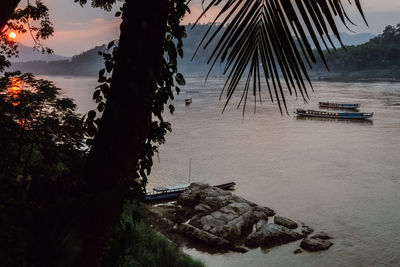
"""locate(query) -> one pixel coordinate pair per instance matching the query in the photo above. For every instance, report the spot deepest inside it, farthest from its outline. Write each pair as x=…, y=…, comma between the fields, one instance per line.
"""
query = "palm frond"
x=273, y=34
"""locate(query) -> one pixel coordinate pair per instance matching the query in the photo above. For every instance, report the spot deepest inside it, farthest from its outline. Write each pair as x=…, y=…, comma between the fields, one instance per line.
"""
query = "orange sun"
x=12, y=35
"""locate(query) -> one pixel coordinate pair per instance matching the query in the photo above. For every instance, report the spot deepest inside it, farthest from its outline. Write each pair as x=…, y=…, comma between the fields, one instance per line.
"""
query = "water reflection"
x=14, y=90
x=364, y=122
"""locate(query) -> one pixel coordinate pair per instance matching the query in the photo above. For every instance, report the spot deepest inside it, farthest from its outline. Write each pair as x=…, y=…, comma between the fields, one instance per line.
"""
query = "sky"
x=78, y=29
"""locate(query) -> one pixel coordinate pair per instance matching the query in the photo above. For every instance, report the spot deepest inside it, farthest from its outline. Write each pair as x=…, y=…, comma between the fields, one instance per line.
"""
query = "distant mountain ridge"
x=27, y=53
x=89, y=62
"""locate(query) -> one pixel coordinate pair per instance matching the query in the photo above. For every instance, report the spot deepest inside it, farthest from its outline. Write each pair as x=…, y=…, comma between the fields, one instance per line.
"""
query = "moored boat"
x=188, y=100
x=172, y=192
x=338, y=105
x=336, y=115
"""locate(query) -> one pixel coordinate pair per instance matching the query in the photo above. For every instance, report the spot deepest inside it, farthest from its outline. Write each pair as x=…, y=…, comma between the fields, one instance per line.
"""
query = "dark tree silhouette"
x=6, y=11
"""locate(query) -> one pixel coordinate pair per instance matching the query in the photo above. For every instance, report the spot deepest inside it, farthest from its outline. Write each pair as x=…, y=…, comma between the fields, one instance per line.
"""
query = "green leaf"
x=101, y=107
x=89, y=141
x=110, y=44
x=101, y=73
x=102, y=79
x=96, y=94
x=171, y=109
x=91, y=115
x=109, y=66
x=179, y=79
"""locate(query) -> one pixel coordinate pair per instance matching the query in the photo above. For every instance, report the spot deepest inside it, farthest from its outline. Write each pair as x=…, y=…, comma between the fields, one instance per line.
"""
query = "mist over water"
x=341, y=177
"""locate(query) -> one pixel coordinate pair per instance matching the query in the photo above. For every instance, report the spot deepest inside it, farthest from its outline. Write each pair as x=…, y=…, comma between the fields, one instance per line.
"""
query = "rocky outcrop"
x=231, y=218
x=220, y=213
x=288, y=223
x=225, y=221
x=315, y=244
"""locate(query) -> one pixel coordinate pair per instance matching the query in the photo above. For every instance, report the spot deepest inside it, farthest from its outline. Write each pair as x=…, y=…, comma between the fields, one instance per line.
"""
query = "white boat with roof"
x=338, y=105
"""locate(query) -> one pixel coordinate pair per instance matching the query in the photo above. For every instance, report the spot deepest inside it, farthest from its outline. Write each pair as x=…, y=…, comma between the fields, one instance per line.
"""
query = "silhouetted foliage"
x=133, y=243
x=41, y=163
x=168, y=83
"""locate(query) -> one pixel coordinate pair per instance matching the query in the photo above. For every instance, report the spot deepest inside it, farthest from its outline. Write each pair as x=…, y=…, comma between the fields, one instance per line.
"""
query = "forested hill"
x=27, y=53
x=377, y=59
x=89, y=62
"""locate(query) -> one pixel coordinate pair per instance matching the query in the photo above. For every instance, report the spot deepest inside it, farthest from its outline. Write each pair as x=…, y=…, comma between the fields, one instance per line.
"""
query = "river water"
x=341, y=177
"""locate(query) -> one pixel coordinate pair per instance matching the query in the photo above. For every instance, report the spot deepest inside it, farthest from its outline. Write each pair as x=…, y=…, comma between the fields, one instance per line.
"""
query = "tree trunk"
x=6, y=10
x=127, y=116
x=125, y=123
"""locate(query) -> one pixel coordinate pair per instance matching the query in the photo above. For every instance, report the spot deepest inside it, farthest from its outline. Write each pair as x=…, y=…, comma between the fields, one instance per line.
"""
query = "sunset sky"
x=78, y=29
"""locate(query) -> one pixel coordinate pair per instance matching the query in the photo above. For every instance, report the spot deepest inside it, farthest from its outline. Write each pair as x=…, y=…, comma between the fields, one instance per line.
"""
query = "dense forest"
x=89, y=62
x=379, y=58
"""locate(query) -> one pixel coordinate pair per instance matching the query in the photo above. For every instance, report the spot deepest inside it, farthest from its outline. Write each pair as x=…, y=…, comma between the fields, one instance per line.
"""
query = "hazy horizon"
x=81, y=28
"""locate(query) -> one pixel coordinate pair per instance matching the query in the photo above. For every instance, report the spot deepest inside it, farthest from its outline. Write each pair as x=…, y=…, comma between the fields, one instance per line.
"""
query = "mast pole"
x=190, y=168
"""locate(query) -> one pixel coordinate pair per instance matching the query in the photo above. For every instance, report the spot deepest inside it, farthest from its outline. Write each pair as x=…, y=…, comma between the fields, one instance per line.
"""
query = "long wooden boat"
x=338, y=105
x=336, y=115
x=172, y=192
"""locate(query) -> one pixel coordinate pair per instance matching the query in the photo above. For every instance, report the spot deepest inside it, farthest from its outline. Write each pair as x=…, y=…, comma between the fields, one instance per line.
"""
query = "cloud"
x=80, y=36
x=78, y=29
x=196, y=9
x=85, y=36
x=381, y=5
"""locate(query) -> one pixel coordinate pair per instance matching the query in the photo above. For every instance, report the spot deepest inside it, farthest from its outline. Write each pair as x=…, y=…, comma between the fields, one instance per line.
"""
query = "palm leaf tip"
x=273, y=34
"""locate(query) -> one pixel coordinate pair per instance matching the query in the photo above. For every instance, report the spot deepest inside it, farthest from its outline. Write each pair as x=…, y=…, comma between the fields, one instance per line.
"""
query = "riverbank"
x=135, y=243
x=371, y=75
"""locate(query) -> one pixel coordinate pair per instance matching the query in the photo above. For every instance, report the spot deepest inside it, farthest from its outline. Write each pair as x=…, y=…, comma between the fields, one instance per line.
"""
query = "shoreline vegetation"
x=136, y=243
x=376, y=60
x=357, y=76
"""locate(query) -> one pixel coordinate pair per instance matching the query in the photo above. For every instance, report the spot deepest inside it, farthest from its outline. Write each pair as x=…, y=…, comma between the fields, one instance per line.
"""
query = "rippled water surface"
x=337, y=176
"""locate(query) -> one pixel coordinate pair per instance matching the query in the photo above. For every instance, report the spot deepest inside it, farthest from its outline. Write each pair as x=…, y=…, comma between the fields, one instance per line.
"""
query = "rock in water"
x=322, y=235
x=288, y=223
x=307, y=230
x=239, y=249
x=297, y=251
x=315, y=244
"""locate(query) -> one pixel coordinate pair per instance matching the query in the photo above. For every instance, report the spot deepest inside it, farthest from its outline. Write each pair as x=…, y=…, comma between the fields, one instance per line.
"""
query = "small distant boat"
x=338, y=105
x=188, y=100
x=172, y=192
x=336, y=115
